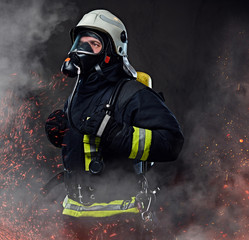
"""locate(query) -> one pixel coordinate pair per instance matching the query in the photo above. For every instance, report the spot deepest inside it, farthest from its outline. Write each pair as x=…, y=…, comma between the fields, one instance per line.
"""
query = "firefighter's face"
x=95, y=44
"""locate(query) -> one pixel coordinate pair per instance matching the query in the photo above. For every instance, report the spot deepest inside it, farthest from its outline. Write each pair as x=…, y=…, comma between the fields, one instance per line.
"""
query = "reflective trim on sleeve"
x=135, y=143
x=75, y=209
x=148, y=138
x=91, y=144
x=141, y=143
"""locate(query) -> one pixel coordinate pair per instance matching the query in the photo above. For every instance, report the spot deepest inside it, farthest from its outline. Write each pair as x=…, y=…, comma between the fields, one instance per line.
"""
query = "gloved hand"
x=101, y=125
x=91, y=125
x=55, y=127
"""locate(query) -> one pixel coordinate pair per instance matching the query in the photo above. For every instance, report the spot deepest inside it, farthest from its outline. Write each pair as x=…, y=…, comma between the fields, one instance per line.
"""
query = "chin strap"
x=128, y=68
x=105, y=60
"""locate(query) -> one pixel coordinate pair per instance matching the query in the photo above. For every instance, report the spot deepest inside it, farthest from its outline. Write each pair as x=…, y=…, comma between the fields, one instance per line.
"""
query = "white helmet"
x=104, y=21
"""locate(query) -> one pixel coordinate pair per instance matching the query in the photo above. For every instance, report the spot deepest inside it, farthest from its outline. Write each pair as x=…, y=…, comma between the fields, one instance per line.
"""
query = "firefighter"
x=104, y=147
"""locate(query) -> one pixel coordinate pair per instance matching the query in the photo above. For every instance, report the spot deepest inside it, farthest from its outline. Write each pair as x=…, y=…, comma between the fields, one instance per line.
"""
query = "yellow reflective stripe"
x=91, y=145
x=135, y=143
x=141, y=143
x=87, y=151
x=115, y=202
x=98, y=214
x=71, y=201
x=97, y=142
x=148, y=138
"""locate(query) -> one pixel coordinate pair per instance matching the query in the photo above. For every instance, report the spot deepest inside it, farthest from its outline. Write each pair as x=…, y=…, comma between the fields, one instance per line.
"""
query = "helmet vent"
x=120, y=49
x=123, y=37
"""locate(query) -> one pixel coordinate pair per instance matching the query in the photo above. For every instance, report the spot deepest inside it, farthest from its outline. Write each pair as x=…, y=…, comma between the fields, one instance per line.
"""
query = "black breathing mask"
x=86, y=52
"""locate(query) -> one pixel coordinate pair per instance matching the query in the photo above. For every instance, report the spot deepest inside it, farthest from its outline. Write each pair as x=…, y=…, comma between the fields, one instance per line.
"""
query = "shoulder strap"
x=126, y=91
x=122, y=93
x=129, y=88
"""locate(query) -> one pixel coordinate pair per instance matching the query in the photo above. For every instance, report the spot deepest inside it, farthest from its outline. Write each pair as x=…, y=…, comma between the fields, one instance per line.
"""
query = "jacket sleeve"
x=150, y=131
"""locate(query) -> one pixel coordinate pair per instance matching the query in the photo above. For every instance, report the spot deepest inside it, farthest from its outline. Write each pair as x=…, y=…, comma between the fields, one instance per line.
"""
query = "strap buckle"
x=145, y=200
x=144, y=204
x=125, y=204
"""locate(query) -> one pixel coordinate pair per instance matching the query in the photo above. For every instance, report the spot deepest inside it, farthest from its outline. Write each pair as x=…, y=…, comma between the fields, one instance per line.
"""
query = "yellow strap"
x=91, y=145
x=87, y=151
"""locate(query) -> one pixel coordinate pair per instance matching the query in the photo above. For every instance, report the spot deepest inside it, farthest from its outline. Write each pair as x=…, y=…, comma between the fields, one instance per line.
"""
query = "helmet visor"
x=88, y=43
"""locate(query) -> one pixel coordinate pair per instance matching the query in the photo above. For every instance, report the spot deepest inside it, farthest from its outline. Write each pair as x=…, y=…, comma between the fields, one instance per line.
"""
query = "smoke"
x=25, y=28
x=211, y=201
x=205, y=194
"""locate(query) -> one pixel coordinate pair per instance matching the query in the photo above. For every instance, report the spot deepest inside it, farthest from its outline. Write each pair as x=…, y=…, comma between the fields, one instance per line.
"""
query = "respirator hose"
x=68, y=111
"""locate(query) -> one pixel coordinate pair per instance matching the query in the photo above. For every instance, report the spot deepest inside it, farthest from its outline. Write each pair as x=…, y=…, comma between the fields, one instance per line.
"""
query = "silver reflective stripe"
x=103, y=125
x=117, y=24
x=93, y=147
x=141, y=144
x=97, y=207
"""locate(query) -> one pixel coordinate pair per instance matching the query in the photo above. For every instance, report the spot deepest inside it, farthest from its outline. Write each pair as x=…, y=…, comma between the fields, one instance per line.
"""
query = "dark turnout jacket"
x=147, y=132
x=150, y=133
x=145, y=110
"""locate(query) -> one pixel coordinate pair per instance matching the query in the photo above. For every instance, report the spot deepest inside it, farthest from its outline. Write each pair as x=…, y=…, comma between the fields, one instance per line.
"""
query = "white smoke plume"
x=25, y=27
x=213, y=199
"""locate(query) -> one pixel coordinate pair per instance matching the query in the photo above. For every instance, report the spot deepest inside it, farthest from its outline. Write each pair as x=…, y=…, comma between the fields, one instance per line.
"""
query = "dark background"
x=196, y=53
x=177, y=43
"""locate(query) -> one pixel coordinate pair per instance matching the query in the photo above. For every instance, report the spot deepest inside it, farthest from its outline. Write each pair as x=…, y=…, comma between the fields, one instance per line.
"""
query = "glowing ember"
x=25, y=166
